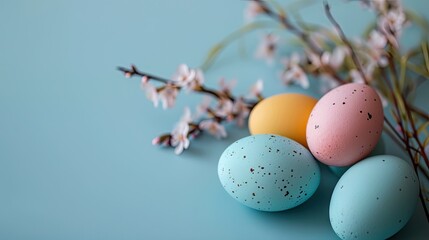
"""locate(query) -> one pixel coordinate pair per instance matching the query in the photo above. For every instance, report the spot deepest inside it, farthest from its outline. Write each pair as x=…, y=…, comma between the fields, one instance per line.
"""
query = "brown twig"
x=398, y=141
x=407, y=139
x=346, y=41
x=389, y=124
x=291, y=27
x=418, y=111
x=416, y=135
x=133, y=71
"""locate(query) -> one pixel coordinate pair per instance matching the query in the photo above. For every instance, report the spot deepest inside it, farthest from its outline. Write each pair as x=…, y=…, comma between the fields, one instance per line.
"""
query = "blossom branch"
x=301, y=34
x=229, y=108
x=187, y=129
x=288, y=25
x=133, y=71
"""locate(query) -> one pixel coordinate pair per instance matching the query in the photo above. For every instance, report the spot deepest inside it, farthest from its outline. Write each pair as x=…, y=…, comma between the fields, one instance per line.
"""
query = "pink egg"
x=345, y=125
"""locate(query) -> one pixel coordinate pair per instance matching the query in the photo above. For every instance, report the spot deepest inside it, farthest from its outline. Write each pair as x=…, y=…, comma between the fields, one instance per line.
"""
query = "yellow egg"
x=284, y=114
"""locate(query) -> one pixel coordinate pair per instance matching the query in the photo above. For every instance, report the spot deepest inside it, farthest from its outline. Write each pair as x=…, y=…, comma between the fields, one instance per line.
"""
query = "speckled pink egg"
x=345, y=125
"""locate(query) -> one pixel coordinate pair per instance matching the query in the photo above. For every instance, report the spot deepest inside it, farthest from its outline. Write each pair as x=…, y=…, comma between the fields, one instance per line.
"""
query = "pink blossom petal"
x=156, y=141
x=252, y=10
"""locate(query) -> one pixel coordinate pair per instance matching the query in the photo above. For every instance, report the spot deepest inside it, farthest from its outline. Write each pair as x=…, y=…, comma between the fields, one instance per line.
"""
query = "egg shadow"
x=312, y=215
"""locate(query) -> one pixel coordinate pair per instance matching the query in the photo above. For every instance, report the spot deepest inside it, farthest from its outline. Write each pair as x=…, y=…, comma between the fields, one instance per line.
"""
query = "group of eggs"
x=276, y=169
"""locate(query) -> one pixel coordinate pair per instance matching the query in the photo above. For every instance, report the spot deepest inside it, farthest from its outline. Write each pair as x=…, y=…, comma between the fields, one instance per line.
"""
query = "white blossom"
x=199, y=79
x=241, y=111
x=225, y=109
x=267, y=48
x=256, y=89
x=145, y=79
x=391, y=25
x=151, y=93
x=213, y=127
x=356, y=76
x=179, y=137
x=183, y=75
x=293, y=60
x=376, y=44
x=252, y=10
x=188, y=78
x=368, y=71
x=167, y=95
x=377, y=40
x=336, y=58
x=295, y=75
x=314, y=61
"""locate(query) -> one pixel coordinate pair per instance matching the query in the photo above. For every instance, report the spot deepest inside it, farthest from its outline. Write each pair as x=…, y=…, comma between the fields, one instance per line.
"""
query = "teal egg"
x=268, y=172
x=378, y=150
x=374, y=199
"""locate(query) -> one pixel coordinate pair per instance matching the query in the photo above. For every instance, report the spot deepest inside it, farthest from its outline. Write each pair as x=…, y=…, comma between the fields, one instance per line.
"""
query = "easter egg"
x=378, y=150
x=345, y=125
x=374, y=199
x=268, y=172
x=284, y=114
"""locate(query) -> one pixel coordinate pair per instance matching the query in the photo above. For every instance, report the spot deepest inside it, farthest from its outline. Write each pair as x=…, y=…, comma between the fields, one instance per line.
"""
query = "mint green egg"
x=268, y=172
x=378, y=150
x=374, y=199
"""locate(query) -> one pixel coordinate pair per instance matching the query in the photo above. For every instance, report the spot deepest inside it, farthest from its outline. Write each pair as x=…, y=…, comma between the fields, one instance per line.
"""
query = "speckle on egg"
x=343, y=125
x=255, y=180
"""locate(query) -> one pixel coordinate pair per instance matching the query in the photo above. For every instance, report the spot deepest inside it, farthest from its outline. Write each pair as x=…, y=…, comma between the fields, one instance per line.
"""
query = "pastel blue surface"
x=76, y=160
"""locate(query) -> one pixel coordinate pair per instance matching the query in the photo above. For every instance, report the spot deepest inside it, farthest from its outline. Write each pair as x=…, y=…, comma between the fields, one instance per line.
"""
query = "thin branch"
x=288, y=25
x=422, y=198
x=416, y=135
x=346, y=41
x=133, y=71
x=402, y=145
x=418, y=111
x=397, y=134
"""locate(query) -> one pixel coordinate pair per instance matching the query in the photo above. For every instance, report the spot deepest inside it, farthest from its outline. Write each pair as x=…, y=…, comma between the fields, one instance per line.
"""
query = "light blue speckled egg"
x=268, y=172
x=378, y=150
x=374, y=199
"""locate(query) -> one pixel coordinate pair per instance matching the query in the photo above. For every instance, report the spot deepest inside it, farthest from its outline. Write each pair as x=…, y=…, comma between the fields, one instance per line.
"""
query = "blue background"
x=76, y=160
